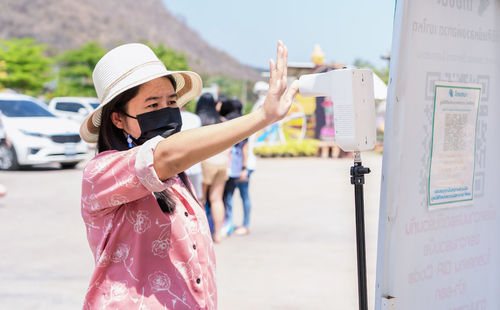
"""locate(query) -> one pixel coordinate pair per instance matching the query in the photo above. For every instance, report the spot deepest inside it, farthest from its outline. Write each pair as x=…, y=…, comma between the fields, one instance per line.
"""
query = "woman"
x=239, y=176
x=147, y=231
x=214, y=168
x=229, y=110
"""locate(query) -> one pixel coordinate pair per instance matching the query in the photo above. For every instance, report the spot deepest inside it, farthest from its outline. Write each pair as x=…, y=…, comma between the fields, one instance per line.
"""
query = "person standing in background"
x=249, y=165
x=190, y=121
x=241, y=156
x=230, y=110
x=214, y=169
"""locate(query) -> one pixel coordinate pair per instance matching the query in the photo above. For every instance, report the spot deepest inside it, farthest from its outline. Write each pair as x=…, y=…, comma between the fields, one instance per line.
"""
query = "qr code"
x=454, y=132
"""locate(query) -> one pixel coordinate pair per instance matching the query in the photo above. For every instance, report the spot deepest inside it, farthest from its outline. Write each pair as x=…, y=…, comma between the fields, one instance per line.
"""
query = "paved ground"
x=300, y=254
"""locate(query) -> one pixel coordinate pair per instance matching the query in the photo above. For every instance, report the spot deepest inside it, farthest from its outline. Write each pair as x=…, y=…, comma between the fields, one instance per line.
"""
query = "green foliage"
x=293, y=148
x=241, y=89
x=76, y=67
x=173, y=60
x=227, y=86
x=75, y=70
x=247, y=107
x=383, y=73
x=190, y=106
x=24, y=66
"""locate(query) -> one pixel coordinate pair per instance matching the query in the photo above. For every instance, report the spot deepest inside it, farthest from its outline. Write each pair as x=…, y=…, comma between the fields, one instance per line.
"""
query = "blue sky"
x=248, y=30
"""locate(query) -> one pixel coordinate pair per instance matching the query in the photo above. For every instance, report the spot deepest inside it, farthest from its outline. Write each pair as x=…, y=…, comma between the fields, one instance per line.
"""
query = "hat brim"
x=189, y=86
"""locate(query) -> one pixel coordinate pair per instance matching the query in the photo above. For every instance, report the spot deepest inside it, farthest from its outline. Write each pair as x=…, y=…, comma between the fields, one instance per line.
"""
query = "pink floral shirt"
x=144, y=258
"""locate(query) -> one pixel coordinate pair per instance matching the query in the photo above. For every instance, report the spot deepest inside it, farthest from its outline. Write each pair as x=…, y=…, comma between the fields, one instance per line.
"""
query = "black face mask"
x=164, y=122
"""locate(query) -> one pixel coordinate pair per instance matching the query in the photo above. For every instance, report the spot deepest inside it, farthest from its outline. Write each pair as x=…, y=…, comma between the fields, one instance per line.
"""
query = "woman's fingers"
x=285, y=69
x=284, y=80
x=279, y=98
x=291, y=91
x=272, y=72
x=279, y=60
x=278, y=70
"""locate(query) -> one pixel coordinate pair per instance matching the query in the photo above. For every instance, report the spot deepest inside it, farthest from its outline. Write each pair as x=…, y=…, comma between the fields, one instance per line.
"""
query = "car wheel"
x=69, y=165
x=8, y=158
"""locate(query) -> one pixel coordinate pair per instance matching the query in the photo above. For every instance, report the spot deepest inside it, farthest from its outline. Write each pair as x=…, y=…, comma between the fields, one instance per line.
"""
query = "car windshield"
x=94, y=105
x=23, y=108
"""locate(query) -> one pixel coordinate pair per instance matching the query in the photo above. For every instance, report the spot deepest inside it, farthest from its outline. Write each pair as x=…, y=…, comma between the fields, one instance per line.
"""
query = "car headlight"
x=33, y=134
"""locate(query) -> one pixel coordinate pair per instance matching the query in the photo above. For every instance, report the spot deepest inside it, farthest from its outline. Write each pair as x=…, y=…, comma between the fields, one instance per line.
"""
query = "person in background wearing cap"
x=147, y=231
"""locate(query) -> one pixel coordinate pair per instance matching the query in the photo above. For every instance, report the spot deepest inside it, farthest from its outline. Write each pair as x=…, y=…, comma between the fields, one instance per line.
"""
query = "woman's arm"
x=182, y=150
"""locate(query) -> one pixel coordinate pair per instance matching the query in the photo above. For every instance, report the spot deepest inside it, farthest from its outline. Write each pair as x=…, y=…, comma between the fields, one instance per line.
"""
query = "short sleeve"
x=144, y=166
x=115, y=178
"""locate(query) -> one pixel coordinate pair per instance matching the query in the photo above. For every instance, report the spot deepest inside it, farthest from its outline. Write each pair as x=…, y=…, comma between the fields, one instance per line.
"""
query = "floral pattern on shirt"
x=144, y=258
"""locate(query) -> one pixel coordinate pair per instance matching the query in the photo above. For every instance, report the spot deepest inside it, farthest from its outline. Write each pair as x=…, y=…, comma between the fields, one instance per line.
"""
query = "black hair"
x=238, y=106
x=113, y=138
x=110, y=136
x=232, y=109
x=205, y=108
x=226, y=106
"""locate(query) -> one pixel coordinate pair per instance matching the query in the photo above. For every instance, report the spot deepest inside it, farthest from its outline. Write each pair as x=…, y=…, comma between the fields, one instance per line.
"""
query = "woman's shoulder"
x=101, y=156
x=105, y=153
x=108, y=159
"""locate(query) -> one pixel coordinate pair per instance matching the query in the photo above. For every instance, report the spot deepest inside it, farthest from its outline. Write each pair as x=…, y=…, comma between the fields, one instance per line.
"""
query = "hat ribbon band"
x=126, y=74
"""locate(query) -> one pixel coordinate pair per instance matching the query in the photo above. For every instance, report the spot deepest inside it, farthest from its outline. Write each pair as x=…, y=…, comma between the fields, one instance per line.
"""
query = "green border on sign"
x=432, y=145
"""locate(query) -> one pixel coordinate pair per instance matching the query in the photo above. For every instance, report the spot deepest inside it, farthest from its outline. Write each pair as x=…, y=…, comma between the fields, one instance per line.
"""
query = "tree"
x=173, y=60
x=24, y=66
x=383, y=73
x=75, y=70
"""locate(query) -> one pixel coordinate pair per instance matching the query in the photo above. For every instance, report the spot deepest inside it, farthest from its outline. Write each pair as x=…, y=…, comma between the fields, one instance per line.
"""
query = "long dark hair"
x=205, y=108
x=113, y=138
x=231, y=108
x=110, y=136
x=226, y=107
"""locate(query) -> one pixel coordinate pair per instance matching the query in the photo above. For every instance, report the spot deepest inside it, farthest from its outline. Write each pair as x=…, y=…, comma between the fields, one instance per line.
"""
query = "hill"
x=66, y=24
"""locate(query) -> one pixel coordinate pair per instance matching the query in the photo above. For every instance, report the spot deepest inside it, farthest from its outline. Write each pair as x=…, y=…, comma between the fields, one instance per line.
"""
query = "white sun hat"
x=127, y=66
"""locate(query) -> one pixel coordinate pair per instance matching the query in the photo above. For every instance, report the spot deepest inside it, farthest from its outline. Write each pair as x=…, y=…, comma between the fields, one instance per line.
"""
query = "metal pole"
x=358, y=179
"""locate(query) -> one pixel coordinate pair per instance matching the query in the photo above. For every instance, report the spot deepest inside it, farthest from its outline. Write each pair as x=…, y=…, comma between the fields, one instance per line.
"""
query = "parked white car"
x=33, y=135
x=74, y=108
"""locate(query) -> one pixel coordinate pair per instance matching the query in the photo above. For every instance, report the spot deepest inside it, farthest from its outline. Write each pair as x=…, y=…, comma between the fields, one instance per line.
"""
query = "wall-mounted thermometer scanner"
x=351, y=91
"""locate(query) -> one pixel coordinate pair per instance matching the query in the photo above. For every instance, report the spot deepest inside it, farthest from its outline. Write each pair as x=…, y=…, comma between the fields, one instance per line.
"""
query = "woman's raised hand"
x=279, y=98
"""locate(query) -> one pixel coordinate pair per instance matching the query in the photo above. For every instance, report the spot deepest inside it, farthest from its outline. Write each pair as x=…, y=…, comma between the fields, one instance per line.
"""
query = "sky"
x=248, y=30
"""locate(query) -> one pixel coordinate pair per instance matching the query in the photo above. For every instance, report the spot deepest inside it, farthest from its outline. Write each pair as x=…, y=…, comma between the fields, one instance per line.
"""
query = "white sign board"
x=439, y=229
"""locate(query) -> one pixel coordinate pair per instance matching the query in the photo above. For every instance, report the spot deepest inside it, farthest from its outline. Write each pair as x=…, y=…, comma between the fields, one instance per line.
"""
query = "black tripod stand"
x=358, y=179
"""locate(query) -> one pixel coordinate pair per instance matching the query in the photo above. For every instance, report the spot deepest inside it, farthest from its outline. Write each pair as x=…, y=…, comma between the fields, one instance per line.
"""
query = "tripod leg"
x=360, y=246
